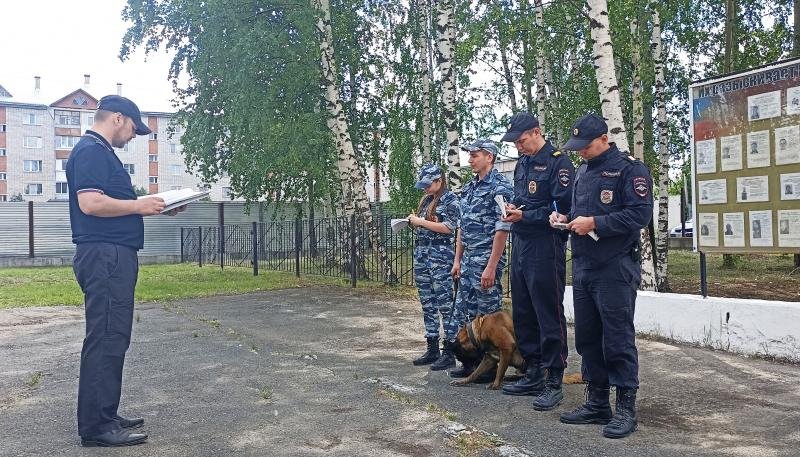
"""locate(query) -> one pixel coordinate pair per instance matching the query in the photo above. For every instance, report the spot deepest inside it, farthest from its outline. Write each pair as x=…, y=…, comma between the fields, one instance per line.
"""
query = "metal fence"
x=335, y=247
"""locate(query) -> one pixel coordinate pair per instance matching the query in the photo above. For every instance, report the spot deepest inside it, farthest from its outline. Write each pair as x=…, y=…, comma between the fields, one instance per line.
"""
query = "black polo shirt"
x=94, y=167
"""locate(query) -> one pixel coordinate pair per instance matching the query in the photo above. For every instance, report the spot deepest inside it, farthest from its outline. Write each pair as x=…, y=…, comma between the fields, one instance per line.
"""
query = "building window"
x=176, y=170
x=32, y=142
x=2, y=152
x=2, y=176
x=175, y=188
x=152, y=158
x=2, y=128
x=67, y=117
x=31, y=119
x=61, y=188
x=90, y=119
x=226, y=193
x=125, y=148
x=61, y=164
x=33, y=189
x=130, y=168
x=154, y=136
x=173, y=148
x=3, y=198
x=154, y=180
x=32, y=166
x=66, y=142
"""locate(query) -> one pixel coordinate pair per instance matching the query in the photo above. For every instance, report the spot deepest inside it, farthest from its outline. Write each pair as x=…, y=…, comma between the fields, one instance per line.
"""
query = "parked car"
x=676, y=231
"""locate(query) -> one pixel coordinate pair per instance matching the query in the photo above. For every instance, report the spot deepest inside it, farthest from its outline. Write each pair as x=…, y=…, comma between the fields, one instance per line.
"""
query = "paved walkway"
x=326, y=372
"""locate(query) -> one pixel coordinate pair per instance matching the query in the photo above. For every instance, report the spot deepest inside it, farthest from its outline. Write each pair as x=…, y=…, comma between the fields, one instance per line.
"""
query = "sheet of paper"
x=733, y=229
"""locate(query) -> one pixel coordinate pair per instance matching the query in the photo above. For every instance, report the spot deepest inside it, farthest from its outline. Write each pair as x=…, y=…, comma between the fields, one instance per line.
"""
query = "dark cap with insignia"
x=119, y=104
x=585, y=130
x=519, y=124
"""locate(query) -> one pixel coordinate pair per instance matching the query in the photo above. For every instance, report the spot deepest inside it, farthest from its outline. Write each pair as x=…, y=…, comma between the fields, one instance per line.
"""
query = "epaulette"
x=632, y=158
x=556, y=153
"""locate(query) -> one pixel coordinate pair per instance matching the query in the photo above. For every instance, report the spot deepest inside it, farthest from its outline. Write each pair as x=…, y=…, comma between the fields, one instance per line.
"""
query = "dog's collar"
x=471, y=334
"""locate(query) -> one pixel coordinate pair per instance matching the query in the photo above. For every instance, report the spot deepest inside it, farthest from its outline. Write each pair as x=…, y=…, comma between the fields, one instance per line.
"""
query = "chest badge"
x=532, y=187
x=606, y=196
x=563, y=177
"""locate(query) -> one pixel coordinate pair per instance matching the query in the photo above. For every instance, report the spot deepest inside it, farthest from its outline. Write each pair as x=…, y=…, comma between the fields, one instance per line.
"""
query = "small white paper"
x=790, y=186
x=789, y=228
x=752, y=189
x=733, y=229
x=709, y=229
x=501, y=203
x=398, y=224
x=761, y=228
x=706, y=152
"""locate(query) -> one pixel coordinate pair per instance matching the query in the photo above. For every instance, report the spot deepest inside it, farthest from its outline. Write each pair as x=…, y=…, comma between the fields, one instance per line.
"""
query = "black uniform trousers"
x=605, y=301
x=107, y=274
x=538, y=275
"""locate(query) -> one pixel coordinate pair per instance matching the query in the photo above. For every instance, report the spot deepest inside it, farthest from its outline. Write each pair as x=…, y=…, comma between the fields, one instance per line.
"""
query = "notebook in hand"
x=179, y=197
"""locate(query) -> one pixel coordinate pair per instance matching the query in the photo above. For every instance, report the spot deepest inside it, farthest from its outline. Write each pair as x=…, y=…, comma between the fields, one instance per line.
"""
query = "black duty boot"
x=624, y=421
x=552, y=395
x=430, y=355
x=530, y=384
x=596, y=410
x=446, y=360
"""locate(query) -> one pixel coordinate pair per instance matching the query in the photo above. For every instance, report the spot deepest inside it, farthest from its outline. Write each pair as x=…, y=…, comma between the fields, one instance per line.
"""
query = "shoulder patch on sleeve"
x=640, y=186
x=556, y=153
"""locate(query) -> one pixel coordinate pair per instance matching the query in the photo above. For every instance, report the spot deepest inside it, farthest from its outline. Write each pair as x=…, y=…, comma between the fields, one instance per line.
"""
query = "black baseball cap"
x=519, y=124
x=120, y=104
x=585, y=130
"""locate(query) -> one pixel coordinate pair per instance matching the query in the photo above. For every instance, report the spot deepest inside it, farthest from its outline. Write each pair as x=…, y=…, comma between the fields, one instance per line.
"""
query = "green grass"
x=48, y=286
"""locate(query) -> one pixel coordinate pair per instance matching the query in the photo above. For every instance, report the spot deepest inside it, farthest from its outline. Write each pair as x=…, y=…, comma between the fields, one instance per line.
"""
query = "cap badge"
x=575, y=132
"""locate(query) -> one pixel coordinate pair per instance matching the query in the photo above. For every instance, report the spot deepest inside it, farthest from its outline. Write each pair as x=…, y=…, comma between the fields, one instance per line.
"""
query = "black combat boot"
x=624, y=421
x=596, y=410
x=530, y=384
x=552, y=395
x=446, y=360
x=431, y=354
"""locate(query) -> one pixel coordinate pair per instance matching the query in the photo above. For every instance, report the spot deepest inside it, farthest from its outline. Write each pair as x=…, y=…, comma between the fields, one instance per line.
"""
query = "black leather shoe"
x=530, y=384
x=130, y=424
x=114, y=439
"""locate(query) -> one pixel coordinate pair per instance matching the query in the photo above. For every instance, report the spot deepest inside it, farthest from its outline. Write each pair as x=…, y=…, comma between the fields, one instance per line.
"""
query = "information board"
x=746, y=160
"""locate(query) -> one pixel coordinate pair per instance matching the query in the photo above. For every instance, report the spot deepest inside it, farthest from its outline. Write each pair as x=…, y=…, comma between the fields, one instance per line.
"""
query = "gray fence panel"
x=14, y=228
x=51, y=233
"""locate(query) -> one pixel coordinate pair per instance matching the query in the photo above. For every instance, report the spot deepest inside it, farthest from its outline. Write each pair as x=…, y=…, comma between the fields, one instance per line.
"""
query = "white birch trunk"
x=445, y=38
x=662, y=235
x=423, y=9
x=351, y=176
x=649, y=277
x=605, y=72
x=542, y=69
x=509, y=77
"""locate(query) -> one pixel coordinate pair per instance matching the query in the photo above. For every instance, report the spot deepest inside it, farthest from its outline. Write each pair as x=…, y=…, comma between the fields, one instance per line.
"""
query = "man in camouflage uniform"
x=435, y=221
x=480, y=249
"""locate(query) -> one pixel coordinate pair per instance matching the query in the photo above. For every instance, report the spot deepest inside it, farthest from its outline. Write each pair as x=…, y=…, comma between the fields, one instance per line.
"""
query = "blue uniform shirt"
x=540, y=180
x=617, y=191
x=447, y=212
x=94, y=167
x=480, y=215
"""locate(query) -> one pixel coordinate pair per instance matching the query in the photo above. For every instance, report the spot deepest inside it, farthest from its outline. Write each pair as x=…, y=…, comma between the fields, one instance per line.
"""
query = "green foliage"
x=140, y=191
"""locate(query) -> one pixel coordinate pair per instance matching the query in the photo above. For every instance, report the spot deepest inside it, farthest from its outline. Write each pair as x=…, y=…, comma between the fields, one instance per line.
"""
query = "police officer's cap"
x=519, y=124
x=427, y=175
x=119, y=104
x=482, y=144
x=585, y=130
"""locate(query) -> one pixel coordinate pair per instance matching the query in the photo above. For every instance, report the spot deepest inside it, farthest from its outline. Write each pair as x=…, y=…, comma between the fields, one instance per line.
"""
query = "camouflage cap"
x=427, y=174
x=482, y=144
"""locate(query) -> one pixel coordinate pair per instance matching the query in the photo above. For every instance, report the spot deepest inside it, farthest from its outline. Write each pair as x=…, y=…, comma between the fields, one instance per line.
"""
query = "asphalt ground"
x=327, y=372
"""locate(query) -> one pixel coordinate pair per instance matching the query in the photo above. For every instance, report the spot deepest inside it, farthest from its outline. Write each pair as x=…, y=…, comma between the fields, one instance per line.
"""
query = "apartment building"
x=36, y=140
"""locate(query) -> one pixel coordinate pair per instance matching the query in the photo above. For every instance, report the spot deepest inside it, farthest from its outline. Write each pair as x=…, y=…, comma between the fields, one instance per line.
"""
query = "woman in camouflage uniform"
x=435, y=221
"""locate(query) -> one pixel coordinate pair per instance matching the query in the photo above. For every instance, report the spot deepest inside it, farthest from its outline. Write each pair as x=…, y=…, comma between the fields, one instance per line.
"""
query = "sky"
x=63, y=40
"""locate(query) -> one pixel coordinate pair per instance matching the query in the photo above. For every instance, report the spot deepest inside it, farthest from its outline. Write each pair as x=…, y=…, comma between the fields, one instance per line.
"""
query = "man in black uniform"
x=107, y=227
x=612, y=202
x=542, y=181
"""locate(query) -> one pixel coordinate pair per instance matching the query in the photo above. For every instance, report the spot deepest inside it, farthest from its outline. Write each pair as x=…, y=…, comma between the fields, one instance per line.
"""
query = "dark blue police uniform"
x=616, y=190
x=106, y=267
x=538, y=257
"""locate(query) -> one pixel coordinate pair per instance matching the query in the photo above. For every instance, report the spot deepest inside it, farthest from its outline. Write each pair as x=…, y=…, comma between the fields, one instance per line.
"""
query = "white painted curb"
x=750, y=327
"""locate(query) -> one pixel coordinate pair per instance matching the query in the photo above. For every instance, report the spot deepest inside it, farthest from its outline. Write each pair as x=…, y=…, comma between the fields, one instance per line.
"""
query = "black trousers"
x=107, y=275
x=605, y=337
x=538, y=276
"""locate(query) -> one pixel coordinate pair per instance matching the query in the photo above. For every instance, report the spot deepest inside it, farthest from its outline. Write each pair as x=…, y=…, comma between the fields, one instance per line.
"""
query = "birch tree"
x=351, y=176
x=445, y=41
x=423, y=45
x=662, y=233
x=542, y=69
x=607, y=86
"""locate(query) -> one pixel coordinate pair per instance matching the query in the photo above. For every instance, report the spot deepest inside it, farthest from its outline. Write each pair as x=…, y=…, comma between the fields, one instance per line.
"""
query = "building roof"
x=11, y=104
x=4, y=92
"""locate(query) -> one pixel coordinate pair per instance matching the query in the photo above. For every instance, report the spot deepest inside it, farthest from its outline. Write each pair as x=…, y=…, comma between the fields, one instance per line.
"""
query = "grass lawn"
x=46, y=286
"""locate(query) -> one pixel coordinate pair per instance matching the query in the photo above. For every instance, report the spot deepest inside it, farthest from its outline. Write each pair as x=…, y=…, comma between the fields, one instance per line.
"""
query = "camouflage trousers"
x=472, y=299
x=432, y=265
